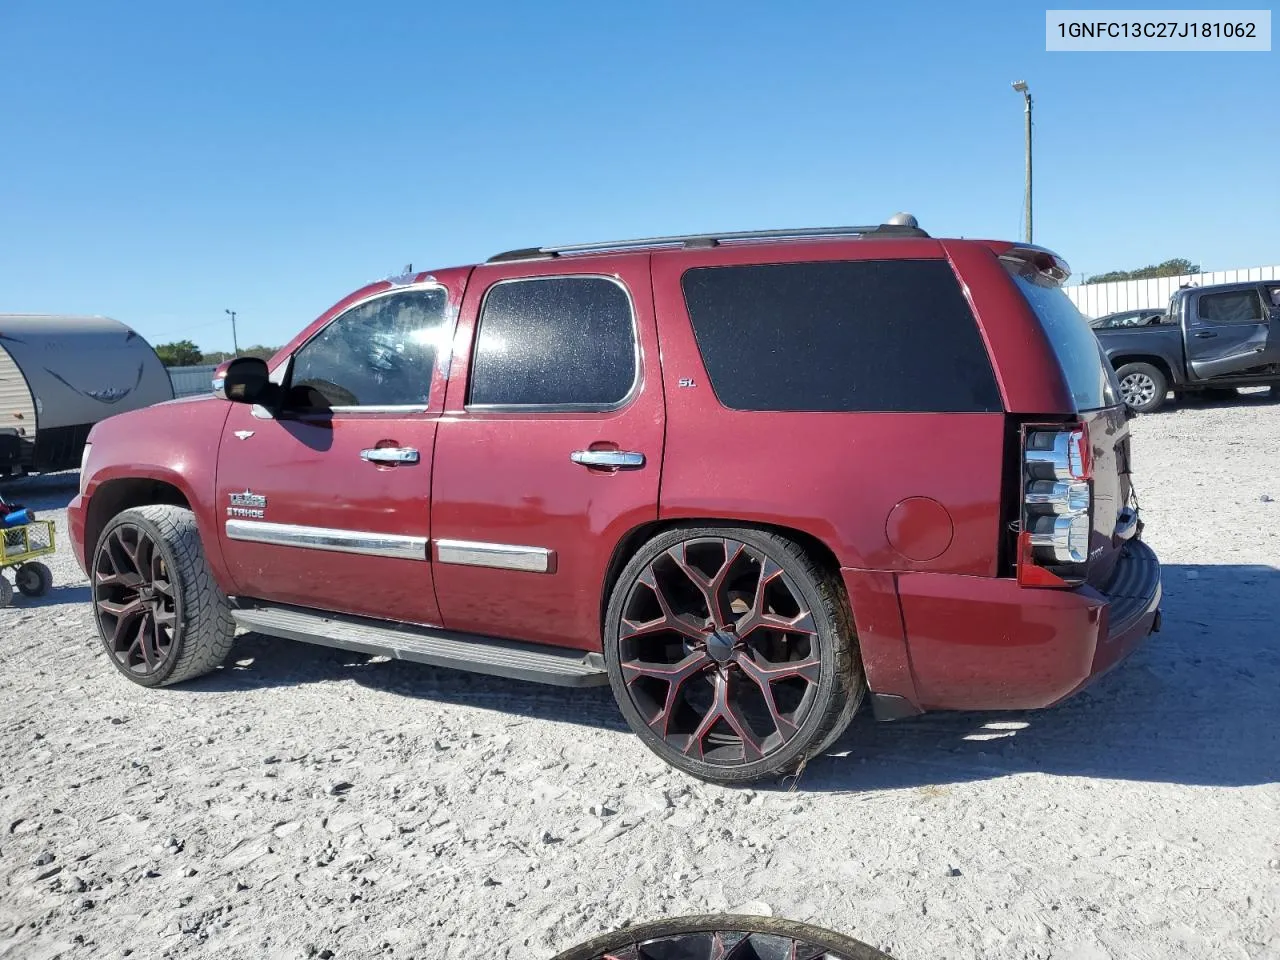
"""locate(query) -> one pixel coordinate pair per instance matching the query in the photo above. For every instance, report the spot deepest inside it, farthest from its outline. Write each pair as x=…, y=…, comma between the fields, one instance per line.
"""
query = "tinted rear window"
x=1080, y=356
x=554, y=341
x=868, y=335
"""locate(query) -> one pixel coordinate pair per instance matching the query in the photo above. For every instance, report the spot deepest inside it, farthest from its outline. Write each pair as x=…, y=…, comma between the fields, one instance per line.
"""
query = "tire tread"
x=207, y=628
x=847, y=694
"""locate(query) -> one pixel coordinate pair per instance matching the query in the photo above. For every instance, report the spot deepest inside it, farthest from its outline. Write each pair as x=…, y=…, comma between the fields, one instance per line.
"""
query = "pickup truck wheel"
x=161, y=617
x=1142, y=386
x=731, y=653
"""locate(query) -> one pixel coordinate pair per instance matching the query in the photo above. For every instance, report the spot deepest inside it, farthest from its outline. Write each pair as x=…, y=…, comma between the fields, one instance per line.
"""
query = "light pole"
x=1021, y=87
x=235, y=344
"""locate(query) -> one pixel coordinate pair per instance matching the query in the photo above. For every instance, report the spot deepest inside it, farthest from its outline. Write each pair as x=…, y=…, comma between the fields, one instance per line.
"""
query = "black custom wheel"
x=723, y=938
x=33, y=579
x=161, y=617
x=731, y=653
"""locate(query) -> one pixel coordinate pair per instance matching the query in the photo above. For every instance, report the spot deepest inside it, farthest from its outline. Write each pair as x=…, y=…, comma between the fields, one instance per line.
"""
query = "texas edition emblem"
x=249, y=505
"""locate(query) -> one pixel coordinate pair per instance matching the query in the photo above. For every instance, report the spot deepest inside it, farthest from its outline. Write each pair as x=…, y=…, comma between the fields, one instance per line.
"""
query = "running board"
x=439, y=648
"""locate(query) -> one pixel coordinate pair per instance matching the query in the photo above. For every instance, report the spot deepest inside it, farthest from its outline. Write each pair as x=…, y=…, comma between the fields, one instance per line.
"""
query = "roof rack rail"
x=900, y=225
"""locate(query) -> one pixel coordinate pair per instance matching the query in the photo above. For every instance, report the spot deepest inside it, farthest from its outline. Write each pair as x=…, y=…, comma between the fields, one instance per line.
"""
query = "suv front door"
x=550, y=447
x=1227, y=332
x=326, y=504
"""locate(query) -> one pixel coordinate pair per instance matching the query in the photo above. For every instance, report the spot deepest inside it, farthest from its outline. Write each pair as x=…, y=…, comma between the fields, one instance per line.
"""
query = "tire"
x=161, y=545
x=1143, y=386
x=748, y=700
x=6, y=593
x=695, y=938
x=33, y=579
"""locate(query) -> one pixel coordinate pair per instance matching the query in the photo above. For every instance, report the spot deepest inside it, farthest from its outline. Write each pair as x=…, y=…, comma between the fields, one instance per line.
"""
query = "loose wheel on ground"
x=160, y=615
x=731, y=652
x=33, y=579
x=1142, y=386
x=723, y=937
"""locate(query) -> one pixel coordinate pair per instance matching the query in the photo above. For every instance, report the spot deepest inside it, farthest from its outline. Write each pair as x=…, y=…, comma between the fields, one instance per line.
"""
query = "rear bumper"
x=989, y=644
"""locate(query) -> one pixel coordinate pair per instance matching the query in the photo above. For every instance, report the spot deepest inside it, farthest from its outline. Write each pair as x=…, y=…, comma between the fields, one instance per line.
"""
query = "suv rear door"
x=1096, y=402
x=1228, y=332
x=550, y=448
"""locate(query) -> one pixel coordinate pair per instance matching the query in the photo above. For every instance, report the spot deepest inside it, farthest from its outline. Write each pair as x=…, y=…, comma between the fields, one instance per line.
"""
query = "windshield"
x=1084, y=367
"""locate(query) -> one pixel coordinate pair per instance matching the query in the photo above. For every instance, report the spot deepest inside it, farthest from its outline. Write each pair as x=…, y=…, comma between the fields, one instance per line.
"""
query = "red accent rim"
x=134, y=600
x=721, y=945
x=719, y=651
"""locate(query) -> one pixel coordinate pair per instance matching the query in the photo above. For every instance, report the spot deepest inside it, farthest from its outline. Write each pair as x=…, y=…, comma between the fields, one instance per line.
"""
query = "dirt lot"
x=303, y=802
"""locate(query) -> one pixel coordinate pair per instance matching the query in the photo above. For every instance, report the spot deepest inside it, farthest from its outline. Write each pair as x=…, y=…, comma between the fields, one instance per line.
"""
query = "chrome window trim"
x=637, y=380
x=262, y=413
x=450, y=316
x=393, y=545
x=500, y=556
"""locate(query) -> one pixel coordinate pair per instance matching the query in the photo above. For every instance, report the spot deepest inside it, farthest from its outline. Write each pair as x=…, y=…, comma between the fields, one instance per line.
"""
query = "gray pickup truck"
x=1214, y=338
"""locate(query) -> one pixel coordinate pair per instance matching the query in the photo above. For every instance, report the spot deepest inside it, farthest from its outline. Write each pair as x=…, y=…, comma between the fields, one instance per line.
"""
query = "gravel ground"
x=304, y=802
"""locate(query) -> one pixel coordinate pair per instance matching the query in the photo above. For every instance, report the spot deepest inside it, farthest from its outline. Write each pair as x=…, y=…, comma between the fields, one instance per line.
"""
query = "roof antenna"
x=903, y=220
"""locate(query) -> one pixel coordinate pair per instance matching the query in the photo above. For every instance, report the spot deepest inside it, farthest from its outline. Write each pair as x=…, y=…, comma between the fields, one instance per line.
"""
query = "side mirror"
x=244, y=380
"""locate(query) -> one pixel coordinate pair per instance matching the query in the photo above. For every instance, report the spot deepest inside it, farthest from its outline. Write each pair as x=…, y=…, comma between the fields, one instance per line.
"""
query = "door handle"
x=390, y=455
x=1206, y=334
x=610, y=459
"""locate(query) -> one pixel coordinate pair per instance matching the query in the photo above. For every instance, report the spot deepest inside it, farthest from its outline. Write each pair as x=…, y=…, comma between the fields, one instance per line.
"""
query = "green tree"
x=1177, y=267
x=183, y=353
x=258, y=350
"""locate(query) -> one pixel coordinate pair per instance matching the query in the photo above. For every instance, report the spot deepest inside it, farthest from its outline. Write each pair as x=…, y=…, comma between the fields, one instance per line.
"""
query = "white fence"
x=1099, y=299
x=190, y=381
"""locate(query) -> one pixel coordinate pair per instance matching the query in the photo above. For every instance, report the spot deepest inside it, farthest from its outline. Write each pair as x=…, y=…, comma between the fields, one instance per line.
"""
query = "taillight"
x=1057, y=506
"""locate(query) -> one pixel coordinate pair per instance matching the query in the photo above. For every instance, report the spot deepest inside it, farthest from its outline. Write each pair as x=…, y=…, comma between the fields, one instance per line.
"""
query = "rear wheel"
x=6, y=593
x=731, y=653
x=161, y=617
x=1142, y=386
x=33, y=579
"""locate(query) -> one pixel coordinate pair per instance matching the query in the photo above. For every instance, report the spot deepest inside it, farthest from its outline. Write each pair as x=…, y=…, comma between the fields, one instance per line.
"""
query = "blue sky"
x=162, y=162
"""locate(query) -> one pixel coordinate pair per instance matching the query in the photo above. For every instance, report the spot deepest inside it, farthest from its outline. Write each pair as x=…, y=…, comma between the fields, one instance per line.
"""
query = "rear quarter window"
x=867, y=335
x=1084, y=366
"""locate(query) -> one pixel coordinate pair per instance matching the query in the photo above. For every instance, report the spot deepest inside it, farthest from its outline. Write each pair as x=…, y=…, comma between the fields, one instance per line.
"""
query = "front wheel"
x=1143, y=387
x=161, y=617
x=732, y=653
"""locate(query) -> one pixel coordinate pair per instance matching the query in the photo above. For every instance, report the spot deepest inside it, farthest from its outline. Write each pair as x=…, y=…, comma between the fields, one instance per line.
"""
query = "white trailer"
x=61, y=375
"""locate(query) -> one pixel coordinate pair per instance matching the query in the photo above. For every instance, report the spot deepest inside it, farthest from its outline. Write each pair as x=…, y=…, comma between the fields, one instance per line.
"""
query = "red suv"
x=746, y=479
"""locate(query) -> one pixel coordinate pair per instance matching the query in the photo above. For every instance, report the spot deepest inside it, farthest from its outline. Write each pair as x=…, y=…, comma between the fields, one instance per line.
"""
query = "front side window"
x=837, y=336
x=556, y=341
x=380, y=353
x=1236, y=306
